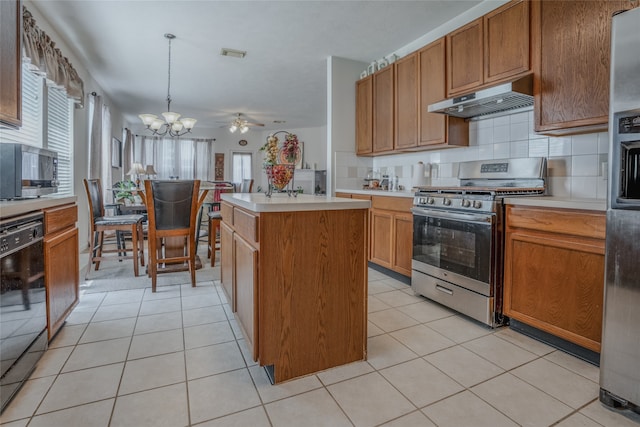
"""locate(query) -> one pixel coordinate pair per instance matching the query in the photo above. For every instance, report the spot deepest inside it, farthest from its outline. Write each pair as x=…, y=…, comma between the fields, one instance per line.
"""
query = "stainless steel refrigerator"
x=620, y=354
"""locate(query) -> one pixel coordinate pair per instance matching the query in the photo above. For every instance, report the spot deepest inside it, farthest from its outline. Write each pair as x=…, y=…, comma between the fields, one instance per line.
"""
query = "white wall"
x=341, y=115
x=227, y=143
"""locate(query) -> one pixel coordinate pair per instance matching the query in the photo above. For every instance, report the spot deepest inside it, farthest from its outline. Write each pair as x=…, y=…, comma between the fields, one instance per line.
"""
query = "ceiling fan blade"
x=254, y=124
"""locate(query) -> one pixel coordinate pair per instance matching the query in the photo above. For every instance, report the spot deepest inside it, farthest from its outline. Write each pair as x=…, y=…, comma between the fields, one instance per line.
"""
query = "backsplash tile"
x=574, y=162
x=584, y=144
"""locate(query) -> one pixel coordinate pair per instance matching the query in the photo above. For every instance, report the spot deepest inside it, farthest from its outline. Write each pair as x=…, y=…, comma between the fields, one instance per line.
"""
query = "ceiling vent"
x=233, y=53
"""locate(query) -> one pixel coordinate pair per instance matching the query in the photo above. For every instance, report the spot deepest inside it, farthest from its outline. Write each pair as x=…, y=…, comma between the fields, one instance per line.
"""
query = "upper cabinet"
x=464, y=58
x=383, y=110
x=490, y=49
x=436, y=130
x=507, y=41
x=10, y=61
x=406, y=102
x=364, y=116
x=571, y=64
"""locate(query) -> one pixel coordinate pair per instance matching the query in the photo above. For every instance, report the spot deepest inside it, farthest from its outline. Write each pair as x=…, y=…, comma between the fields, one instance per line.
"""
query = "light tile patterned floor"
x=176, y=358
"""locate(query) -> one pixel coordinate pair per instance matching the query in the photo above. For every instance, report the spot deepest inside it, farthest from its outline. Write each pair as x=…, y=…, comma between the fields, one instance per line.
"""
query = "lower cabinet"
x=392, y=233
x=226, y=263
x=246, y=290
x=554, y=272
x=61, y=263
x=297, y=282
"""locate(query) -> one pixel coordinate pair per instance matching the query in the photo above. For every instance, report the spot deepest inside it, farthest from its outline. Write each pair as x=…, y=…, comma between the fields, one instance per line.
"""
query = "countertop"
x=279, y=202
x=558, y=202
x=404, y=193
x=10, y=208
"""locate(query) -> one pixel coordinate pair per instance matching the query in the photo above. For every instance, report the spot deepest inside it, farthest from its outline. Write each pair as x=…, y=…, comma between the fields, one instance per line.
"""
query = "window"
x=47, y=125
x=175, y=157
x=241, y=166
x=31, y=131
x=59, y=113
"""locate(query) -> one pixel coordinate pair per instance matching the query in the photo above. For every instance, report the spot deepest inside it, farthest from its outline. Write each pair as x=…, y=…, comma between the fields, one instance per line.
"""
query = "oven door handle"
x=468, y=217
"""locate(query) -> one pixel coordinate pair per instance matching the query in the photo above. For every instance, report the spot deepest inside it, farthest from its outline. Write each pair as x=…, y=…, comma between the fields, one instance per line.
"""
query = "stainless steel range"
x=458, y=234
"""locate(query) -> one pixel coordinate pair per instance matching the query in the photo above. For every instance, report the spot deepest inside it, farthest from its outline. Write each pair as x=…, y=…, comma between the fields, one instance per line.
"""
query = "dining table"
x=175, y=246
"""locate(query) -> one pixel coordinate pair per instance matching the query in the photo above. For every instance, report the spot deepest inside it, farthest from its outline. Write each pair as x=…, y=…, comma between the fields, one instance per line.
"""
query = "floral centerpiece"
x=280, y=161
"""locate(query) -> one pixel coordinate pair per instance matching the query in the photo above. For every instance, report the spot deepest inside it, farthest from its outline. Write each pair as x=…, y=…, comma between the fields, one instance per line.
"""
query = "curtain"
x=176, y=158
x=100, y=145
x=95, y=139
x=46, y=59
x=128, y=151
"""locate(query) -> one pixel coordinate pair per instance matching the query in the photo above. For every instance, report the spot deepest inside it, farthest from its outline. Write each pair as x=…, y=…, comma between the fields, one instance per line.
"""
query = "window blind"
x=31, y=131
x=59, y=136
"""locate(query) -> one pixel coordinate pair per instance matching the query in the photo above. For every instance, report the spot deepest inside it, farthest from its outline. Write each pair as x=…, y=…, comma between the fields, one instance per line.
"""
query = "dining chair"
x=246, y=186
x=172, y=207
x=215, y=218
x=119, y=224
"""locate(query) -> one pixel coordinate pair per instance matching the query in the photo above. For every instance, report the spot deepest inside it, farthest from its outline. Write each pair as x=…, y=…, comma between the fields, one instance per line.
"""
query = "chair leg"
x=192, y=262
x=99, y=248
x=92, y=252
x=214, y=226
x=134, y=248
x=141, y=243
x=153, y=263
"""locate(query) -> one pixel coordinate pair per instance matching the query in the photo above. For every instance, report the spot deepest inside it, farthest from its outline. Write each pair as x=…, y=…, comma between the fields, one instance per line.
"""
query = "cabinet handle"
x=445, y=290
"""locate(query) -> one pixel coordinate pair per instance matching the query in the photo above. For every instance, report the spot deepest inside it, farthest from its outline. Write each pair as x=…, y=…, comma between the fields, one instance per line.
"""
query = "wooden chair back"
x=172, y=208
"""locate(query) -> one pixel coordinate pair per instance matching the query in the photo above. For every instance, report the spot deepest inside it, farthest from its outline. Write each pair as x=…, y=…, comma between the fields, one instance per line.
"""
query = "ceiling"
x=282, y=77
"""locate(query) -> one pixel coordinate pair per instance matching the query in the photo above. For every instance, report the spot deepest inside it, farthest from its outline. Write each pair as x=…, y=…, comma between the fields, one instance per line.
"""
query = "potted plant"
x=124, y=192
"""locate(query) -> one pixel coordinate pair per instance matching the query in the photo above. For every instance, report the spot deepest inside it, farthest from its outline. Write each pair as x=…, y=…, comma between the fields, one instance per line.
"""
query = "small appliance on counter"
x=27, y=171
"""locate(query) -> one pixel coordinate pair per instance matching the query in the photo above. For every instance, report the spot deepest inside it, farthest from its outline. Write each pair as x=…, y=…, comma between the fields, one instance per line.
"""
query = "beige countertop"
x=279, y=202
x=10, y=208
x=377, y=192
x=558, y=202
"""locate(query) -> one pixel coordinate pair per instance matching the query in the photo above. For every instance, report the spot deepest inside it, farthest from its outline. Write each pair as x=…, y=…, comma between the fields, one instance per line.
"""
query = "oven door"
x=454, y=246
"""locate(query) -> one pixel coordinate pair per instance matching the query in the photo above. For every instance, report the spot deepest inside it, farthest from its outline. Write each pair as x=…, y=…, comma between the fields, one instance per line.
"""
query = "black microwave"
x=27, y=171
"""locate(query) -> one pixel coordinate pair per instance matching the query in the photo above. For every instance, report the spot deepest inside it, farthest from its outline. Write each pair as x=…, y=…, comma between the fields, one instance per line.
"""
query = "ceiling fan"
x=241, y=124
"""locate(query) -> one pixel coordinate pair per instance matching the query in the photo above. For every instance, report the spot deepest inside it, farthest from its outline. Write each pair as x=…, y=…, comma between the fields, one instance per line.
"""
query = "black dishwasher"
x=23, y=311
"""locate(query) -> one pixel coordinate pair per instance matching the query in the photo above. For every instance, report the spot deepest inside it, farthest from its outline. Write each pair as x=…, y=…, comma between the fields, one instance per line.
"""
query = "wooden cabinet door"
x=554, y=272
x=246, y=291
x=381, y=235
x=406, y=102
x=10, y=63
x=506, y=41
x=465, y=58
x=62, y=277
x=432, y=89
x=403, y=243
x=571, y=64
x=226, y=263
x=383, y=110
x=364, y=116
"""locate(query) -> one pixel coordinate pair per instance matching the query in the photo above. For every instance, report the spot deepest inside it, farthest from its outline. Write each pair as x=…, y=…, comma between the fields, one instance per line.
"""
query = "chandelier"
x=172, y=124
x=237, y=123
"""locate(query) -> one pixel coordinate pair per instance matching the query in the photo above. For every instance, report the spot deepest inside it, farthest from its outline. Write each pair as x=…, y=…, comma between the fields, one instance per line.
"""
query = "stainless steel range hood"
x=498, y=99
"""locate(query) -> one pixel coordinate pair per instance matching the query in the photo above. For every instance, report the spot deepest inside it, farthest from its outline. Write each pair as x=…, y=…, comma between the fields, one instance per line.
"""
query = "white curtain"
x=176, y=158
x=100, y=145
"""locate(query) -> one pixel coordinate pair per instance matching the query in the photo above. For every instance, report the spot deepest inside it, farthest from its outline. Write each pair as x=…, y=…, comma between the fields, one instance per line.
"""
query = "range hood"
x=498, y=99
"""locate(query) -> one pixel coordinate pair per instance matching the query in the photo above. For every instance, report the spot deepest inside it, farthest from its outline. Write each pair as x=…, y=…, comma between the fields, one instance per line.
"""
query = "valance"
x=46, y=59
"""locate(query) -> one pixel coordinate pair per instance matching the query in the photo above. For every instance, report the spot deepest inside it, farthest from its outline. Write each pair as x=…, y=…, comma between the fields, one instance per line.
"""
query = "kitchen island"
x=294, y=270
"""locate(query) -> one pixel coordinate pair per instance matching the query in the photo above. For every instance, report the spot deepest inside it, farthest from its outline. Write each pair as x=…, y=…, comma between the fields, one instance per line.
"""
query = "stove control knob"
x=446, y=202
x=466, y=203
x=430, y=200
x=477, y=204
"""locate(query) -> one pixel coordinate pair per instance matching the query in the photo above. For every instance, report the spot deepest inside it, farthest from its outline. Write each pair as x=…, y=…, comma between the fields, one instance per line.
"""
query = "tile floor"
x=177, y=358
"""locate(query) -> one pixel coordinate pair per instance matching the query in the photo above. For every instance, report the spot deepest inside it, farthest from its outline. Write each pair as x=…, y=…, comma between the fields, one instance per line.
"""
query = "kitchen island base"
x=296, y=277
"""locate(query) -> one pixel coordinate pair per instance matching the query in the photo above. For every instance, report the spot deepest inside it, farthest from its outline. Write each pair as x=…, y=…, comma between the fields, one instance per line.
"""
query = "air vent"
x=233, y=53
